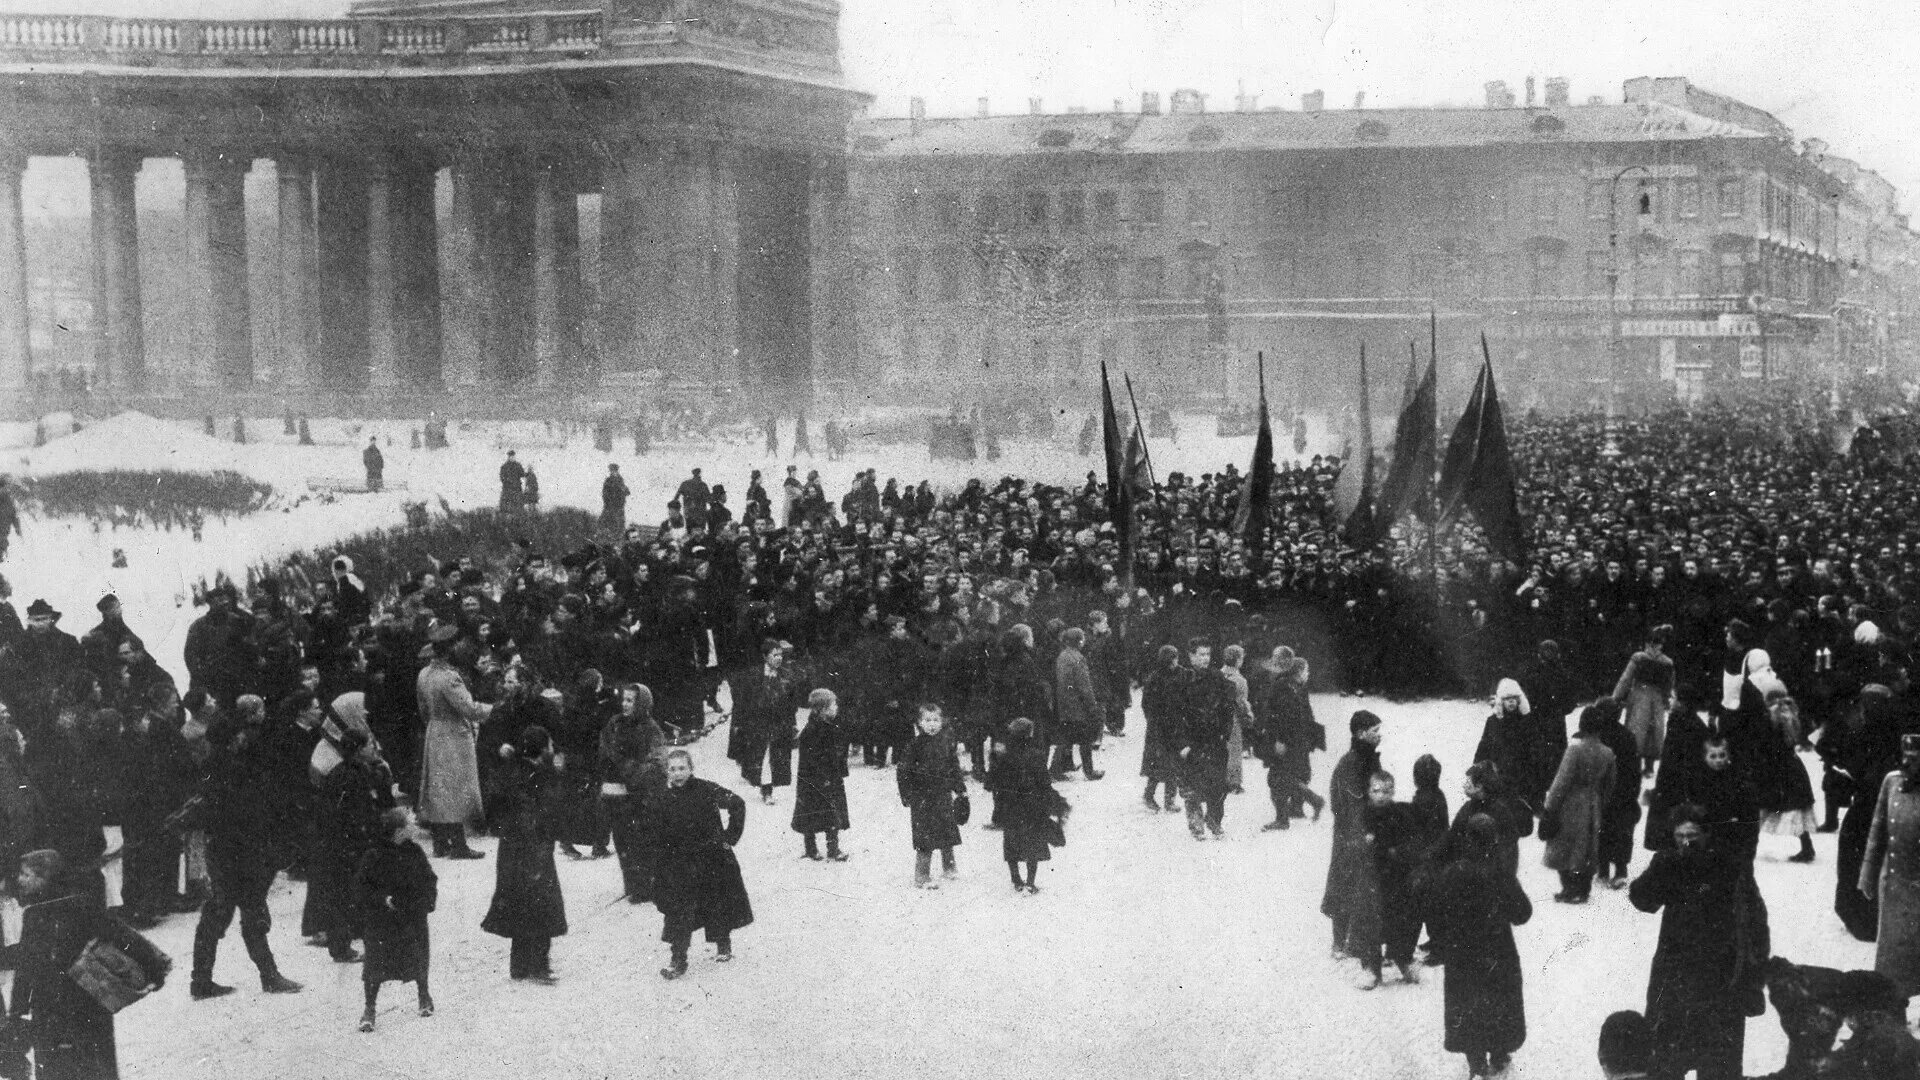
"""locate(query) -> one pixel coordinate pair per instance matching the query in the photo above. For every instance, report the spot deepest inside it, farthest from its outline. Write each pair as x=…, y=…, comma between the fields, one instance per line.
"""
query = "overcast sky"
x=1844, y=72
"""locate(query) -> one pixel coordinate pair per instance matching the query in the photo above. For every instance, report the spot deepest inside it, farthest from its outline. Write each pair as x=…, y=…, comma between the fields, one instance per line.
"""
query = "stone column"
x=298, y=354
x=461, y=317
x=621, y=195
x=715, y=252
x=383, y=300
x=217, y=269
x=556, y=277
x=830, y=232
x=121, y=355
x=416, y=271
x=340, y=232
x=15, y=346
x=509, y=253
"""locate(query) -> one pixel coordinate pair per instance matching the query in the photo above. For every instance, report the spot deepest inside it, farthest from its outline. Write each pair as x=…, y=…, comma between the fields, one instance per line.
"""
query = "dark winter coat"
x=395, y=889
x=526, y=885
x=351, y=801
x=698, y=883
x=1511, y=821
x=929, y=776
x=1030, y=810
x=1160, y=703
x=1579, y=796
x=1621, y=812
x=1471, y=908
x=1513, y=742
x=1208, y=710
x=1713, y=941
x=1732, y=809
x=1285, y=715
x=53, y=933
x=820, y=791
x=1075, y=700
x=1351, y=885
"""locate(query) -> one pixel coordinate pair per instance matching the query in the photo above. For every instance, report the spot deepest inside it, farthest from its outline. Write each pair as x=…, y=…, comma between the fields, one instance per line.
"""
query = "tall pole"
x=1613, y=286
x=1260, y=526
x=1433, y=484
x=1142, y=429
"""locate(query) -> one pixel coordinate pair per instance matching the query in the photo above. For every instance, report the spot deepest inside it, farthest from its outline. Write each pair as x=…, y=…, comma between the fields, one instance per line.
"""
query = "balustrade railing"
x=574, y=32
x=413, y=38
x=498, y=36
x=236, y=37
x=42, y=32
x=325, y=37
x=143, y=35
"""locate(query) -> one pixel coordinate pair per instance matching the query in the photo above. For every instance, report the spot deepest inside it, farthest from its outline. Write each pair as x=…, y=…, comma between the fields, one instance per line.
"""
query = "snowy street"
x=1145, y=954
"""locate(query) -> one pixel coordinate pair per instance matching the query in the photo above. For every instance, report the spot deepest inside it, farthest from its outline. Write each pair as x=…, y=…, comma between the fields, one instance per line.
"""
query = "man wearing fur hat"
x=221, y=656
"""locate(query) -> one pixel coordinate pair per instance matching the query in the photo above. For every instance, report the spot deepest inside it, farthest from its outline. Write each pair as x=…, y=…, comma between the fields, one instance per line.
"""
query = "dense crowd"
x=1711, y=594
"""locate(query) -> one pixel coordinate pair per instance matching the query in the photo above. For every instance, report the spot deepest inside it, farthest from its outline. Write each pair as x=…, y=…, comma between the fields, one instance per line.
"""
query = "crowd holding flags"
x=1475, y=477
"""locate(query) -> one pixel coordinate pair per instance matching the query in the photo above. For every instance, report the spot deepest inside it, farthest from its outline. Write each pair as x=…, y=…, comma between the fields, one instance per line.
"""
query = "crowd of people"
x=1711, y=595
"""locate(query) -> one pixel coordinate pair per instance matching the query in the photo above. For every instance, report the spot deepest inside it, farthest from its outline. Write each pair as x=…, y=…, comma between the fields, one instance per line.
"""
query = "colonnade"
x=708, y=256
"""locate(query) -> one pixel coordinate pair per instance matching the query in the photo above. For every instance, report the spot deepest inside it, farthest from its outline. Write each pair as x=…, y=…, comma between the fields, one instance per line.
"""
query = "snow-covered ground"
x=1145, y=954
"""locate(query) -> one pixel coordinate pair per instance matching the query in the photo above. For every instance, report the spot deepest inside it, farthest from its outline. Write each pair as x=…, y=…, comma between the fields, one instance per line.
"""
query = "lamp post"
x=1613, y=294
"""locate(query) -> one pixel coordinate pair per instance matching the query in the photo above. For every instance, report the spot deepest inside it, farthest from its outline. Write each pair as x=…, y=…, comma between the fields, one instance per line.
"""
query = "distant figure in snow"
x=376, y=464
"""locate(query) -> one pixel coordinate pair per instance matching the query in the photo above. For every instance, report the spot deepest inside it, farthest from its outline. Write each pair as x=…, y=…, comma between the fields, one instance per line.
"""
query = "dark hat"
x=41, y=607
x=1361, y=721
x=106, y=603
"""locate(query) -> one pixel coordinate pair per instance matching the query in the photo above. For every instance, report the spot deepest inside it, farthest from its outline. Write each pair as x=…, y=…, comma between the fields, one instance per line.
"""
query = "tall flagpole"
x=1433, y=482
x=1142, y=429
x=1260, y=527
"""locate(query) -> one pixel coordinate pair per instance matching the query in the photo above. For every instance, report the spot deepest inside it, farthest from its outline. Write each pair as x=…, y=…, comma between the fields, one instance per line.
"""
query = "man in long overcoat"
x=1207, y=717
x=763, y=706
x=450, y=766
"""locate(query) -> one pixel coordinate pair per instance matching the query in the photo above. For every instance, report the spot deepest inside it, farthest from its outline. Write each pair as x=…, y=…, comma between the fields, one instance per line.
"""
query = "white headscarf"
x=1509, y=688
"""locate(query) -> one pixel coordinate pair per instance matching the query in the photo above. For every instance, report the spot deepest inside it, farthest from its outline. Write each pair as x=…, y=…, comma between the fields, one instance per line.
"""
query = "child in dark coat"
x=1400, y=846
x=820, y=799
x=395, y=890
x=930, y=778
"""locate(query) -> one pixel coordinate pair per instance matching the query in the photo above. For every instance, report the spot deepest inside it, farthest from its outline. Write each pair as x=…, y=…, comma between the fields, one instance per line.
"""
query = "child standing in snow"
x=396, y=890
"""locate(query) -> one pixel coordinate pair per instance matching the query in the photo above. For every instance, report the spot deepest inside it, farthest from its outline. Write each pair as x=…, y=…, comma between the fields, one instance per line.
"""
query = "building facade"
x=1622, y=252
x=712, y=135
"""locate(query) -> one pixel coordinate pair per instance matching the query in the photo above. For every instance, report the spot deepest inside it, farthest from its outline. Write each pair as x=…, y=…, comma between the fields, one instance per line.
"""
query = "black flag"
x=1478, y=474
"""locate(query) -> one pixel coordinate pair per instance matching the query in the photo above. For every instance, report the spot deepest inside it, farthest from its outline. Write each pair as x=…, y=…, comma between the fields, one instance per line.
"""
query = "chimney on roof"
x=1149, y=103
x=984, y=109
x=1119, y=105
x=1559, y=94
x=1313, y=101
x=1596, y=99
x=1188, y=102
x=917, y=114
x=1498, y=95
x=1035, y=107
x=1529, y=91
x=1359, y=99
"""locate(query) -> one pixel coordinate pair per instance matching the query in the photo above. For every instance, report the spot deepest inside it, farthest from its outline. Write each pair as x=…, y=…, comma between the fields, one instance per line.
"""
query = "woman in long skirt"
x=1787, y=800
x=1578, y=799
x=395, y=889
x=527, y=907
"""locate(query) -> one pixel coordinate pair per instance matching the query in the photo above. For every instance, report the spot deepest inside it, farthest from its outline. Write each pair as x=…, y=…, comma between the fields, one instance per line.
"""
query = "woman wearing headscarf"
x=820, y=792
x=61, y=915
x=1511, y=741
x=1645, y=691
x=1576, y=803
x=1786, y=793
x=633, y=766
x=527, y=906
x=1472, y=904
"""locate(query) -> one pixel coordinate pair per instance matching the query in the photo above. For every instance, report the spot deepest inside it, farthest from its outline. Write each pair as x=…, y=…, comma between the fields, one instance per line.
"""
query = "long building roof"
x=1138, y=133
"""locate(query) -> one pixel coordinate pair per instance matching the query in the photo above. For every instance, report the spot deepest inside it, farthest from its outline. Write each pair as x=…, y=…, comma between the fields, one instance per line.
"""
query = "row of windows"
x=1544, y=270
x=949, y=348
x=1535, y=198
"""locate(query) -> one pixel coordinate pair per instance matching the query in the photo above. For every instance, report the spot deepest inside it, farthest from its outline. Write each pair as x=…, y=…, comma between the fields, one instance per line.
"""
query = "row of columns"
x=693, y=232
